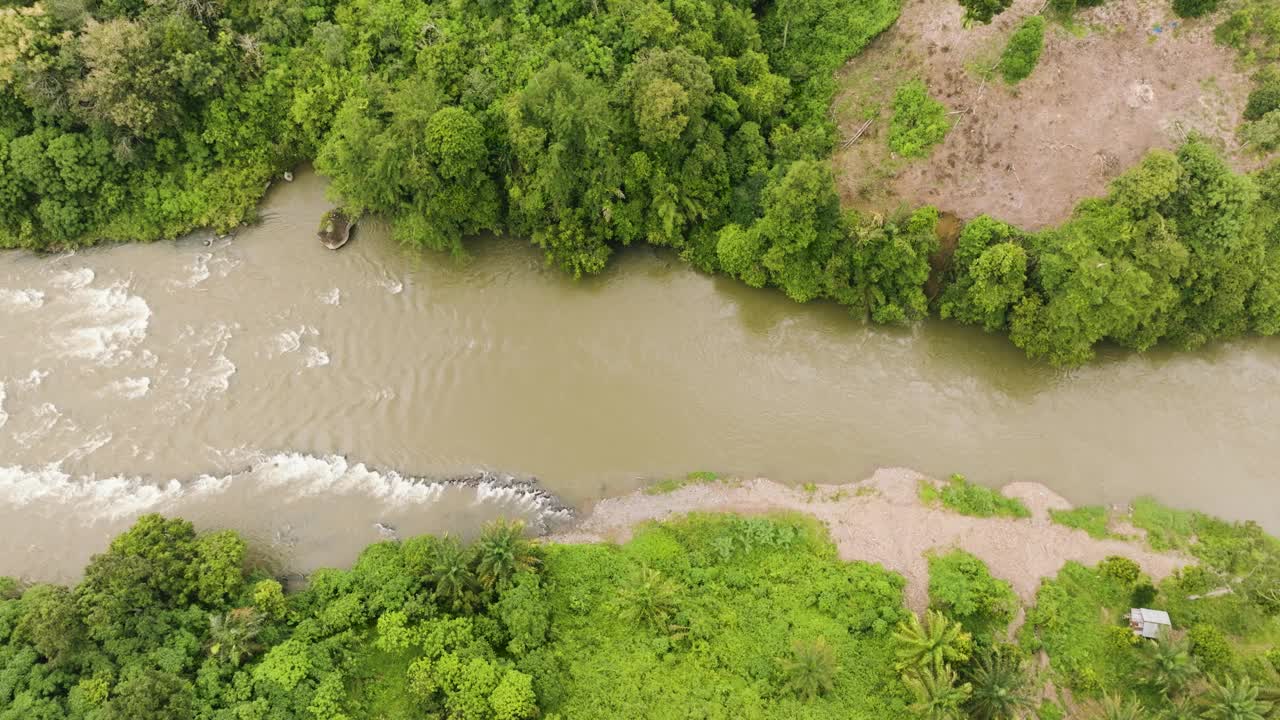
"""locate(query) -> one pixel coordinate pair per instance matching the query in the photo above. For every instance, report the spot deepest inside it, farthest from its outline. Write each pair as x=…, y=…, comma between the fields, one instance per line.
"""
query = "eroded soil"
x=1107, y=89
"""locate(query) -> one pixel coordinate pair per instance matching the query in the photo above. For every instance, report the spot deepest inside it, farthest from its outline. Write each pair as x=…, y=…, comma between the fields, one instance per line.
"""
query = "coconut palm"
x=1116, y=707
x=1235, y=699
x=1168, y=664
x=451, y=573
x=811, y=670
x=501, y=552
x=937, y=696
x=650, y=600
x=935, y=643
x=1000, y=689
x=233, y=635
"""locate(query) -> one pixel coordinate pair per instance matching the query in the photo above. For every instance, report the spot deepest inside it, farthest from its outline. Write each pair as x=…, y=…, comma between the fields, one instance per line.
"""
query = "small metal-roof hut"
x=1149, y=623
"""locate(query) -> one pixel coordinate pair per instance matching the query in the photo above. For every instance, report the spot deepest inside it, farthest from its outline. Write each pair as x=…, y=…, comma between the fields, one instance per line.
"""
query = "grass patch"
x=1090, y=518
x=670, y=485
x=962, y=496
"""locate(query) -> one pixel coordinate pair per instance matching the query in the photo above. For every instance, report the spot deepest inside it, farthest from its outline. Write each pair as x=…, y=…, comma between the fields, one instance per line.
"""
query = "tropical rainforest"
x=711, y=616
x=696, y=125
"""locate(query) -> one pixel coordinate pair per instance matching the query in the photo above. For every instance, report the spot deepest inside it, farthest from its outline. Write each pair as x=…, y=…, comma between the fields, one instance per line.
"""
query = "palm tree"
x=233, y=635
x=1168, y=664
x=937, y=697
x=936, y=643
x=501, y=552
x=452, y=576
x=811, y=669
x=999, y=688
x=1183, y=708
x=650, y=600
x=1115, y=707
x=1233, y=699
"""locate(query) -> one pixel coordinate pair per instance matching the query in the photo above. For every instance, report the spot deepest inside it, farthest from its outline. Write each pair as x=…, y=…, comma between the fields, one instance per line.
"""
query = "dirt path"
x=882, y=520
x=1106, y=91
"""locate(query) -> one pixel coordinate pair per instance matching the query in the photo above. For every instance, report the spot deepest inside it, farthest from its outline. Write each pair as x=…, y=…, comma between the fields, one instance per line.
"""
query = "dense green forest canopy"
x=586, y=125
x=713, y=616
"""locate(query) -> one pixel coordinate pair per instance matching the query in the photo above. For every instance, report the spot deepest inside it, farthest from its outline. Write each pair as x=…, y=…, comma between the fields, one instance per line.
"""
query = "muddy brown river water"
x=315, y=400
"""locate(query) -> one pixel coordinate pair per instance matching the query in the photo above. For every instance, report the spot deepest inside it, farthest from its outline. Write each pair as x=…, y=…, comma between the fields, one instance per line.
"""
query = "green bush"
x=1210, y=648
x=1194, y=8
x=961, y=587
x=919, y=122
x=1023, y=51
x=1262, y=101
x=983, y=11
x=961, y=496
x=1120, y=568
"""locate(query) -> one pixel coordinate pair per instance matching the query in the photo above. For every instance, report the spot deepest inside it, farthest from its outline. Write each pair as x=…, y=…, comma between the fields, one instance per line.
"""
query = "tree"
x=1235, y=699
x=936, y=694
x=891, y=265
x=983, y=11
x=501, y=553
x=1000, y=687
x=216, y=572
x=452, y=576
x=793, y=244
x=932, y=644
x=233, y=635
x=811, y=669
x=1168, y=664
x=565, y=183
x=50, y=622
x=147, y=694
x=649, y=600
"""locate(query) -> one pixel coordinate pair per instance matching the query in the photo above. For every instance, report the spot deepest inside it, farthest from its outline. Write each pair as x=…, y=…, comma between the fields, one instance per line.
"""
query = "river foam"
x=291, y=476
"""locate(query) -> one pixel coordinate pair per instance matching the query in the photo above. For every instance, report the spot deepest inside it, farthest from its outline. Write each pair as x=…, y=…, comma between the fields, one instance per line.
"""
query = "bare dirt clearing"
x=883, y=520
x=1106, y=90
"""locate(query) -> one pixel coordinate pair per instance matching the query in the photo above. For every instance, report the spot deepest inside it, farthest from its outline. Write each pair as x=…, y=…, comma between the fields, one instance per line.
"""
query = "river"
x=314, y=399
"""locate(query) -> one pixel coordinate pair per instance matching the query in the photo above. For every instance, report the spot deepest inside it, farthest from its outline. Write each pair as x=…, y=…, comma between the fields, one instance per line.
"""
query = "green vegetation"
x=1089, y=518
x=919, y=122
x=1155, y=260
x=1253, y=29
x=710, y=616
x=983, y=11
x=962, y=496
x=1023, y=51
x=961, y=587
x=1194, y=8
x=669, y=485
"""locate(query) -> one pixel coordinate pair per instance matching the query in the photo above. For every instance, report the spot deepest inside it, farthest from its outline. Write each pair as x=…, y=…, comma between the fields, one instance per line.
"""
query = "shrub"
x=961, y=587
x=1210, y=648
x=919, y=121
x=1262, y=101
x=1264, y=134
x=1120, y=568
x=960, y=495
x=1194, y=8
x=983, y=10
x=1023, y=51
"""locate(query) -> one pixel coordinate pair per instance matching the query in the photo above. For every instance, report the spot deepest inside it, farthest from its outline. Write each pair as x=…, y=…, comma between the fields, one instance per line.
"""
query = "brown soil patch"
x=882, y=520
x=1106, y=91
